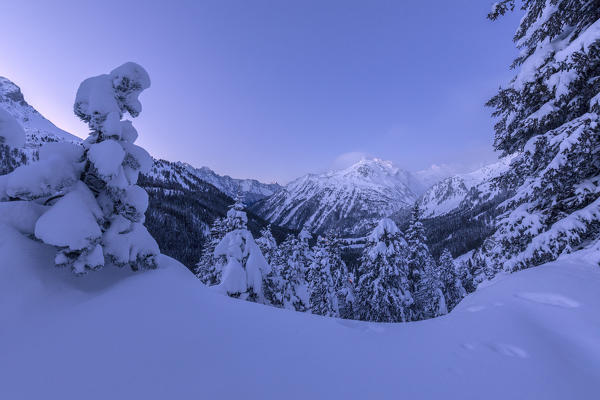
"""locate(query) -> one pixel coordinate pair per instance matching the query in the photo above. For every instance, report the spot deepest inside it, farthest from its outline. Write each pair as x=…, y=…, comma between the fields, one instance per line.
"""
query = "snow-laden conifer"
x=205, y=269
x=452, y=285
x=294, y=260
x=419, y=260
x=548, y=116
x=236, y=267
x=321, y=287
x=383, y=290
x=267, y=244
x=95, y=209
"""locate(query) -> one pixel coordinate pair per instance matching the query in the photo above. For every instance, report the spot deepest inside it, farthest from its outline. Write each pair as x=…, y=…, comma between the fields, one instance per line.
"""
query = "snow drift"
x=161, y=334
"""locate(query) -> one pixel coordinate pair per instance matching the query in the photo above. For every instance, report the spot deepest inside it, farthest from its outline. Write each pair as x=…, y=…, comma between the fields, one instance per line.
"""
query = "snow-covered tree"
x=294, y=260
x=343, y=280
x=241, y=266
x=548, y=117
x=452, y=285
x=236, y=216
x=419, y=260
x=430, y=300
x=205, y=269
x=267, y=244
x=95, y=209
x=236, y=266
x=418, y=252
x=463, y=271
x=321, y=287
x=383, y=290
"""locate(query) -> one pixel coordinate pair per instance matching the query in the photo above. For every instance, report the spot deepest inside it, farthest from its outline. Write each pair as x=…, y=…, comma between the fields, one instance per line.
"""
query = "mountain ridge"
x=349, y=201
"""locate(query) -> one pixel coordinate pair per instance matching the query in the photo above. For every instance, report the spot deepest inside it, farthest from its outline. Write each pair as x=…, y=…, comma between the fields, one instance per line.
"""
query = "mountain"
x=349, y=201
x=434, y=174
x=250, y=190
x=37, y=128
x=118, y=334
x=463, y=191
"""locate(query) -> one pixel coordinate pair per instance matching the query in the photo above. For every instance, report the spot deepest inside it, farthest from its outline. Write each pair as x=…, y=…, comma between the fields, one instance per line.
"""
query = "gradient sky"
x=274, y=89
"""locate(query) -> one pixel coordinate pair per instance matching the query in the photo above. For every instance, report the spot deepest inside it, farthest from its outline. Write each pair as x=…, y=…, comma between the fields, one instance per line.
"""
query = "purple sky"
x=275, y=89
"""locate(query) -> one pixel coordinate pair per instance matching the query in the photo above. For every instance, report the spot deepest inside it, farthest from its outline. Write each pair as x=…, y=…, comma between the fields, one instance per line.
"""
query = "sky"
x=275, y=89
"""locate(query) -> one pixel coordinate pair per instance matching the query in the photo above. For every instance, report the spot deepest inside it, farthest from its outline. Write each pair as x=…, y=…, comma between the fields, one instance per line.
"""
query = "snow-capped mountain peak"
x=37, y=128
x=350, y=200
x=463, y=190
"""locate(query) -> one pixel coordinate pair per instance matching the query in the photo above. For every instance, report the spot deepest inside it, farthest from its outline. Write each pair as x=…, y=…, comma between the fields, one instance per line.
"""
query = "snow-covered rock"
x=534, y=334
x=352, y=200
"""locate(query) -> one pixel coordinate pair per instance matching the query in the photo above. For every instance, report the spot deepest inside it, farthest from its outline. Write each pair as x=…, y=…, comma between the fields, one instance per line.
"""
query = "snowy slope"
x=350, y=200
x=462, y=190
x=160, y=334
x=250, y=189
x=37, y=128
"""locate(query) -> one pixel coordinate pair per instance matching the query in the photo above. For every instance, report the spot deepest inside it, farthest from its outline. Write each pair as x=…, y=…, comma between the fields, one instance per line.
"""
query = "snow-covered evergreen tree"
x=96, y=210
x=343, y=281
x=236, y=266
x=419, y=260
x=205, y=269
x=452, y=285
x=241, y=266
x=463, y=271
x=548, y=116
x=267, y=244
x=430, y=300
x=294, y=259
x=236, y=216
x=321, y=287
x=383, y=290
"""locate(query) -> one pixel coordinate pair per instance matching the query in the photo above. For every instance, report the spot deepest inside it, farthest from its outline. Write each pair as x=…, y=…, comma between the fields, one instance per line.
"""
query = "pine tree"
x=205, y=269
x=420, y=260
x=294, y=259
x=343, y=281
x=463, y=271
x=548, y=117
x=452, y=285
x=418, y=252
x=383, y=291
x=96, y=210
x=430, y=300
x=267, y=244
x=239, y=267
x=321, y=287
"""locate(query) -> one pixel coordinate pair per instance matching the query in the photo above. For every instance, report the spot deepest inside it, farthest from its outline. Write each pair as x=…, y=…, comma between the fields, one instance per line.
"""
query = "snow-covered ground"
x=160, y=334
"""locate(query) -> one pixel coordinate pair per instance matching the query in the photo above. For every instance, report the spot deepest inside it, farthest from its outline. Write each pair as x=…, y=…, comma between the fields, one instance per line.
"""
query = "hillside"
x=161, y=334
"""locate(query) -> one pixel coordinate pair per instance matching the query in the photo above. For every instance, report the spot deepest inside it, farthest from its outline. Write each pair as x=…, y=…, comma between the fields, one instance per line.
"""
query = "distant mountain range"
x=464, y=191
